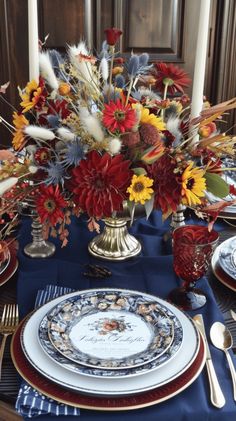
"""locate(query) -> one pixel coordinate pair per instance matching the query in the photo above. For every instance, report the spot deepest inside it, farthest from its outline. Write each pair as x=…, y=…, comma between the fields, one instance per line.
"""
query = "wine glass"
x=193, y=247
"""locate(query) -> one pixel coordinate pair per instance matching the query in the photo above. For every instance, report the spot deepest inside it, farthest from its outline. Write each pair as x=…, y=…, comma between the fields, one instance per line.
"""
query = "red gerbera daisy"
x=167, y=185
x=101, y=183
x=118, y=118
x=50, y=204
x=173, y=76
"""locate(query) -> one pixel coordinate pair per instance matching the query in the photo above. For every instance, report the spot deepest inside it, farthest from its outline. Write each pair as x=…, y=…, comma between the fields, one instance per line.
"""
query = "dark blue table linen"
x=151, y=272
x=30, y=403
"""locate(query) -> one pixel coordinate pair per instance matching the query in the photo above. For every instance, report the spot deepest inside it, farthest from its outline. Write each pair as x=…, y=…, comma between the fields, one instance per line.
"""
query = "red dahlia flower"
x=118, y=118
x=101, y=183
x=112, y=35
x=173, y=76
x=167, y=185
x=50, y=204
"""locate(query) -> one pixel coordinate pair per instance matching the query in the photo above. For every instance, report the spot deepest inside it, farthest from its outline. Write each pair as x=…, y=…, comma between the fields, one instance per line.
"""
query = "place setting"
x=108, y=349
x=224, y=263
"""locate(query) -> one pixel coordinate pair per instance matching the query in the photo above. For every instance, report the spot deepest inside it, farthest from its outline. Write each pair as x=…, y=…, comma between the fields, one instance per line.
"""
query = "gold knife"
x=216, y=394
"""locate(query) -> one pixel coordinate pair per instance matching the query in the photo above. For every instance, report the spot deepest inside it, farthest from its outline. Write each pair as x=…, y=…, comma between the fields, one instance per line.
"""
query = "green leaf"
x=131, y=209
x=149, y=206
x=139, y=171
x=216, y=185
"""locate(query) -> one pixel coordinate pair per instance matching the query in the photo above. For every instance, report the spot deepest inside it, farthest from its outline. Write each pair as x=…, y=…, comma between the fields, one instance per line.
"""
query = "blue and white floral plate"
x=110, y=373
x=227, y=257
x=178, y=364
x=110, y=329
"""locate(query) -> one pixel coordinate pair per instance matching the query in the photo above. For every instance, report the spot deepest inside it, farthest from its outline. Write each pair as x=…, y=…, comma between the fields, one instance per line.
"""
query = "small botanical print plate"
x=110, y=329
x=110, y=373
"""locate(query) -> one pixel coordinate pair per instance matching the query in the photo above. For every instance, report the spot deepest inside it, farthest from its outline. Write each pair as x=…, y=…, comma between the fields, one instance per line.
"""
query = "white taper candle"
x=200, y=60
x=33, y=39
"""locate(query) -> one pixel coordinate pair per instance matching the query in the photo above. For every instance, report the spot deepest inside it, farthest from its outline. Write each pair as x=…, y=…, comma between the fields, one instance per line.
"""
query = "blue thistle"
x=57, y=60
x=137, y=95
x=133, y=65
x=138, y=65
x=143, y=59
x=75, y=151
x=55, y=173
x=104, y=51
x=53, y=121
x=120, y=81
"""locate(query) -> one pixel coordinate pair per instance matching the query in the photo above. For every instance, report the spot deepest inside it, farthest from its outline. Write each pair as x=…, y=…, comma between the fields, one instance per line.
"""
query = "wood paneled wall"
x=223, y=79
x=167, y=29
x=13, y=55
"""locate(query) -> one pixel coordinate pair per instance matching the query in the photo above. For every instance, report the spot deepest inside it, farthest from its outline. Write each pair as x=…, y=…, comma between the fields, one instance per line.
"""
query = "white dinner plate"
x=109, y=387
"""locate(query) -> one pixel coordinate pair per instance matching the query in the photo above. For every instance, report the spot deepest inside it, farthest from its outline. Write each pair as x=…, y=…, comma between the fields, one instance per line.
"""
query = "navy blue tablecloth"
x=150, y=272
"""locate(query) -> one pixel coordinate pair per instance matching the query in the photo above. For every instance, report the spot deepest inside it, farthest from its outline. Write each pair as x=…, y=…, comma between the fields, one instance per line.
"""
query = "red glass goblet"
x=193, y=247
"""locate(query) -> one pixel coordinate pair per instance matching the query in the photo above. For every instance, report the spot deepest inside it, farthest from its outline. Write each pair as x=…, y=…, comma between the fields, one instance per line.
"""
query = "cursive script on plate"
x=112, y=337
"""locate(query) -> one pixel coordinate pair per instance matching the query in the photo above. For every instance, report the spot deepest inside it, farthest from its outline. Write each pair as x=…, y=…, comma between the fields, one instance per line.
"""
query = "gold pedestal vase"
x=115, y=242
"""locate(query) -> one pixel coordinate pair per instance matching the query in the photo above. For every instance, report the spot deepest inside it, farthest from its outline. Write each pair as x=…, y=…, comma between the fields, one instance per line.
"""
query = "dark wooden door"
x=62, y=20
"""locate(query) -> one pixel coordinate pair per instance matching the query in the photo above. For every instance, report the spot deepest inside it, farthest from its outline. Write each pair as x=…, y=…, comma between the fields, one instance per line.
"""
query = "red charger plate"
x=60, y=394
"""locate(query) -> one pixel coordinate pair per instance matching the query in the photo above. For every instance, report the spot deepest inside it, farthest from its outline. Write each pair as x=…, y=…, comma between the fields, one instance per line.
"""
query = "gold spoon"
x=222, y=339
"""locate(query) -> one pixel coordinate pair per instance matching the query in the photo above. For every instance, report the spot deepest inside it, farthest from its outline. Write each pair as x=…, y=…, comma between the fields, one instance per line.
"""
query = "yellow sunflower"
x=140, y=189
x=31, y=95
x=149, y=118
x=193, y=185
x=176, y=106
x=20, y=122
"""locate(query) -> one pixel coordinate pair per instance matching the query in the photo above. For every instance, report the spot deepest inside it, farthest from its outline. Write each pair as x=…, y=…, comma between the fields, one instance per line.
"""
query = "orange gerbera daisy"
x=20, y=122
x=33, y=95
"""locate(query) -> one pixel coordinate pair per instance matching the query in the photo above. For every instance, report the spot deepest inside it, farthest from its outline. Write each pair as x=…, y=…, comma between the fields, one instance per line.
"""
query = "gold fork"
x=8, y=324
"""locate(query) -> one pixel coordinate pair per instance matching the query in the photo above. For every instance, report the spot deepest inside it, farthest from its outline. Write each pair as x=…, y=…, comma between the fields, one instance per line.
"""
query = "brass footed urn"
x=115, y=243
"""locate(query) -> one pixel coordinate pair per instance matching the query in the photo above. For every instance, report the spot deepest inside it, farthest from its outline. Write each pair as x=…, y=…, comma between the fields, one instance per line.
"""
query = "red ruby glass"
x=193, y=247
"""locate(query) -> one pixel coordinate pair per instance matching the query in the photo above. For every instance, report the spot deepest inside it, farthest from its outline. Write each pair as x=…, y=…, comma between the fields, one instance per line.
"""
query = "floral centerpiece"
x=95, y=133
